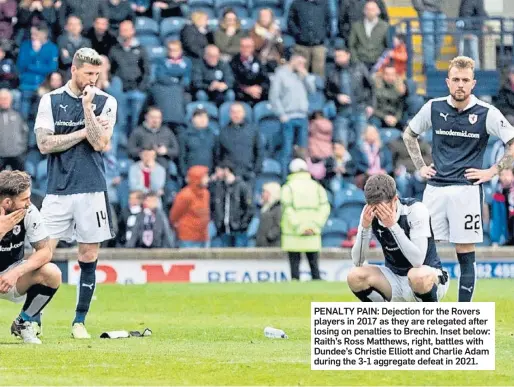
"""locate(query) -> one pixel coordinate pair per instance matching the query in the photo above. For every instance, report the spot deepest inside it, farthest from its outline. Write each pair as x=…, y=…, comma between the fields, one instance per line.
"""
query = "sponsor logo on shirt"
x=457, y=133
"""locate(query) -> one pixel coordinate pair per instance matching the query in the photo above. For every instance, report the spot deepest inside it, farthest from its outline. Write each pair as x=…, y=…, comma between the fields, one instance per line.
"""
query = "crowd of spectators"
x=215, y=100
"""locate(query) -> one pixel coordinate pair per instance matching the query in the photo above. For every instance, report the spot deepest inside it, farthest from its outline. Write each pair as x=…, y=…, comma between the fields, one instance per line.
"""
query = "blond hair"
x=86, y=55
x=462, y=62
x=13, y=183
x=196, y=15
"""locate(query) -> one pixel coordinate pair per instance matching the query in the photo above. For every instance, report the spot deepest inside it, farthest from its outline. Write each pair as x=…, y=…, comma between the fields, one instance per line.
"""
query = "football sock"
x=37, y=297
x=370, y=295
x=86, y=288
x=467, y=276
x=431, y=296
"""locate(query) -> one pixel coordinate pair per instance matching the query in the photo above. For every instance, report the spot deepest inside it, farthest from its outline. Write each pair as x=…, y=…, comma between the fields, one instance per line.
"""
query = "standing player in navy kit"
x=73, y=125
x=413, y=270
x=461, y=127
x=33, y=280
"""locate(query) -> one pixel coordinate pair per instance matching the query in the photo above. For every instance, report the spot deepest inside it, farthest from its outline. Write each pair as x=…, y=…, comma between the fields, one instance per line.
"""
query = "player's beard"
x=461, y=96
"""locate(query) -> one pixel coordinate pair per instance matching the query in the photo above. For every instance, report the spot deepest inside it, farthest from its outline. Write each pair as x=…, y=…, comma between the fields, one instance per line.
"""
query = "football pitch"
x=212, y=334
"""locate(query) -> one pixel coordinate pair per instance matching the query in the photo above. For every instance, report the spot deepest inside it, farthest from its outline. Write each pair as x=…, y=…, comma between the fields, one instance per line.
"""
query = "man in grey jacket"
x=433, y=27
x=289, y=100
x=13, y=134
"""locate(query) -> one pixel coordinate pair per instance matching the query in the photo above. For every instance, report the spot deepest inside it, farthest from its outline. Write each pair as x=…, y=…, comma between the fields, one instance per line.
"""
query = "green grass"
x=212, y=334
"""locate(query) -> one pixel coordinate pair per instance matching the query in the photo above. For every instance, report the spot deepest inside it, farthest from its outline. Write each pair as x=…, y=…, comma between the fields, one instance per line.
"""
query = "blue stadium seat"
x=247, y=23
x=149, y=41
x=224, y=113
x=271, y=167
x=330, y=110
x=269, y=126
x=317, y=100
x=350, y=212
x=124, y=165
x=42, y=174
x=156, y=53
x=266, y=3
x=209, y=11
x=172, y=26
x=211, y=109
x=351, y=195
x=32, y=141
x=171, y=190
x=173, y=170
x=123, y=192
x=146, y=26
x=331, y=240
x=230, y=3
x=30, y=168
x=335, y=225
x=263, y=110
x=389, y=135
x=200, y=3
x=34, y=156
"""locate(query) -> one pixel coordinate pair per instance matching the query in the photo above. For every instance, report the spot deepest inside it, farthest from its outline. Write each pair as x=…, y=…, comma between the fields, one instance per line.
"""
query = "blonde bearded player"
x=461, y=126
x=73, y=126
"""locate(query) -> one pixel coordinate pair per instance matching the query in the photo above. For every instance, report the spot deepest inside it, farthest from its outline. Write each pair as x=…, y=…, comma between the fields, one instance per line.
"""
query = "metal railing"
x=498, y=31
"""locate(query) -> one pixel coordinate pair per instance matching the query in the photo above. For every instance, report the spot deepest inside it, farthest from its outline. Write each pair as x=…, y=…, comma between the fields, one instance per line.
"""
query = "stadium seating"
x=271, y=167
x=334, y=232
x=269, y=126
x=146, y=26
x=488, y=83
x=171, y=26
x=388, y=135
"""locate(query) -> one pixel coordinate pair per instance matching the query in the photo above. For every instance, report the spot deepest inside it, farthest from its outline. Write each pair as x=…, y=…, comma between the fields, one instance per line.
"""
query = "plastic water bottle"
x=274, y=333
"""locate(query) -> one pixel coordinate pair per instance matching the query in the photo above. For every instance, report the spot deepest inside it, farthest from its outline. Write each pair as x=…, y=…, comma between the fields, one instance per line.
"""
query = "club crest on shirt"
x=473, y=119
x=16, y=230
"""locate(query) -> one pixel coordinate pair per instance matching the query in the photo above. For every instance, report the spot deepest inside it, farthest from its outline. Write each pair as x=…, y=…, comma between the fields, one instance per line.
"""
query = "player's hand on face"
x=7, y=222
x=480, y=175
x=427, y=172
x=8, y=280
x=88, y=94
x=368, y=216
x=386, y=215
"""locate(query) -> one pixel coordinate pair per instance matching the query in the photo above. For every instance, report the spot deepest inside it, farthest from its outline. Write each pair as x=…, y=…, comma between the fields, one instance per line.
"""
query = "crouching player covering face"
x=32, y=281
x=412, y=270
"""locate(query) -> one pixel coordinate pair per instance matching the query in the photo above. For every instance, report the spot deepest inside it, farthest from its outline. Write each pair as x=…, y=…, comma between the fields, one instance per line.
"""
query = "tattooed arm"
x=411, y=143
x=508, y=158
x=98, y=134
x=48, y=142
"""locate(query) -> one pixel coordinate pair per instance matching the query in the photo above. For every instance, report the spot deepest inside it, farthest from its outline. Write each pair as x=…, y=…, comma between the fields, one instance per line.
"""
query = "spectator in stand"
x=228, y=35
x=289, y=99
x=308, y=22
x=128, y=216
x=195, y=37
x=408, y=181
x=130, y=63
x=112, y=176
x=433, y=27
x=213, y=79
x=231, y=207
x=142, y=7
x=37, y=58
x=268, y=233
x=13, y=134
x=378, y=158
x=69, y=43
x=53, y=81
x=8, y=17
x=368, y=38
x=251, y=77
x=469, y=43
x=505, y=99
x=352, y=11
x=397, y=56
x=190, y=214
x=351, y=87
x=147, y=175
x=198, y=143
x=390, y=96
x=8, y=74
x=342, y=167
x=33, y=13
x=172, y=80
x=118, y=11
x=87, y=11
x=240, y=143
x=151, y=230
x=320, y=136
x=305, y=210
x=153, y=134
x=268, y=41
x=101, y=39
x=167, y=8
